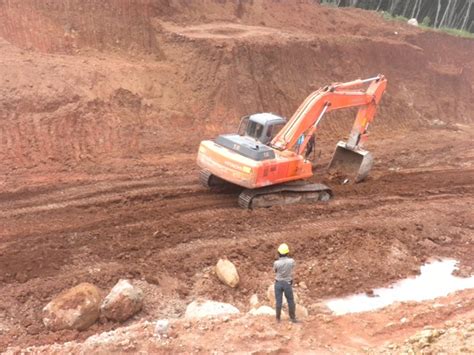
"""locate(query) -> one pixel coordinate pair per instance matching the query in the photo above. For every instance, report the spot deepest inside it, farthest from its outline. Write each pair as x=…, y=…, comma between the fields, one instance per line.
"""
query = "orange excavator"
x=268, y=156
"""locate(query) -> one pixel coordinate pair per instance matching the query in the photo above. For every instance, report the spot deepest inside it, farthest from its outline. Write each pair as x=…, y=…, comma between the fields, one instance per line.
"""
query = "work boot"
x=294, y=320
x=292, y=311
x=278, y=314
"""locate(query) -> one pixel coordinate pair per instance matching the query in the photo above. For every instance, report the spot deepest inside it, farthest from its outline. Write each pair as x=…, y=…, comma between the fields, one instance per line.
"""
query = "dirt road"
x=371, y=234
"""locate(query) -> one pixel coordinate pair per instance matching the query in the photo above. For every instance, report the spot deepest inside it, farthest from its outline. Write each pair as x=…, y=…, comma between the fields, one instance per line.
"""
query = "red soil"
x=102, y=108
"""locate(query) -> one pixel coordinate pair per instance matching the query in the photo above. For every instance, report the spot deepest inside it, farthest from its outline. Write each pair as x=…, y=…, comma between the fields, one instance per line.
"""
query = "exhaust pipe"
x=353, y=164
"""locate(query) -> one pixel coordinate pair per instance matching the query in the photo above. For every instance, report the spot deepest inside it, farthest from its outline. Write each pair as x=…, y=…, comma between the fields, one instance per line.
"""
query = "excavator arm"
x=336, y=96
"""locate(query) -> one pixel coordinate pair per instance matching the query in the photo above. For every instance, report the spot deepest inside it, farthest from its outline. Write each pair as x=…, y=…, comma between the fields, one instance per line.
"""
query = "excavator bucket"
x=350, y=164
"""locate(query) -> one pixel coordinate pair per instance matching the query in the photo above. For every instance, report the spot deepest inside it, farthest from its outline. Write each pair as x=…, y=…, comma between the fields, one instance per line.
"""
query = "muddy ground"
x=99, y=137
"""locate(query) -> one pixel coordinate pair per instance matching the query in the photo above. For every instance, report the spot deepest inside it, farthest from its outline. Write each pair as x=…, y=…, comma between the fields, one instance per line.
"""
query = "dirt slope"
x=101, y=110
x=135, y=71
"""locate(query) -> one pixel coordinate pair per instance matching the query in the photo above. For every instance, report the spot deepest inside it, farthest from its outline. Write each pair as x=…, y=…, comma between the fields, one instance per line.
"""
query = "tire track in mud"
x=103, y=198
x=195, y=197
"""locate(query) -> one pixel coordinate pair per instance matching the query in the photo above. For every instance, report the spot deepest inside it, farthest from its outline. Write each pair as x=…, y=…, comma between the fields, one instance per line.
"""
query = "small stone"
x=302, y=284
x=162, y=326
x=452, y=331
x=227, y=273
x=403, y=320
x=426, y=335
x=254, y=301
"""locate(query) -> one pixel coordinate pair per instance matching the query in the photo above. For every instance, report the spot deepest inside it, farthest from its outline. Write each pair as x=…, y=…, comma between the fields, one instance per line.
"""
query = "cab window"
x=273, y=130
x=254, y=129
x=243, y=126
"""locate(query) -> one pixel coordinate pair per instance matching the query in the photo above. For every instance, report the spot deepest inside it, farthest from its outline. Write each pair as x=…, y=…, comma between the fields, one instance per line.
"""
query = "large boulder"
x=262, y=311
x=201, y=309
x=123, y=301
x=76, y=308
x=227, y=273
x=271, y=296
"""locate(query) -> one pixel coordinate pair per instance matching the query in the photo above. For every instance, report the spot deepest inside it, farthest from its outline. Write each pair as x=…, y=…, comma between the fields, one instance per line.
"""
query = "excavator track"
x=284, y=194
x=207, y=179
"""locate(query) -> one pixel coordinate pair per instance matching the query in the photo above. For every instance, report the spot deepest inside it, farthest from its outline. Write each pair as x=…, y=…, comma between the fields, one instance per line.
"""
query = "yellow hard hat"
x=283, y=249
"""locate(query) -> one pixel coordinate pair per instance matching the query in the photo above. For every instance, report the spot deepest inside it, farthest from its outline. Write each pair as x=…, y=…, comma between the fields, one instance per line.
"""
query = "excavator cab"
x=263, y=127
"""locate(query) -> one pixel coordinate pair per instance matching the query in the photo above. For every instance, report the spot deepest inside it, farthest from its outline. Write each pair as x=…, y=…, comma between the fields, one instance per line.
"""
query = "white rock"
x=201, y=309
x=413, y=22
x=262, y=311
x=162, y=326
x=227, y=273
x=254, y=301
x=123, y=301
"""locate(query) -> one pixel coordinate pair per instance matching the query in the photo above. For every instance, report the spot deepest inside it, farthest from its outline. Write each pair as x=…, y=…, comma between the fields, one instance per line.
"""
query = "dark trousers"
x=284, y=287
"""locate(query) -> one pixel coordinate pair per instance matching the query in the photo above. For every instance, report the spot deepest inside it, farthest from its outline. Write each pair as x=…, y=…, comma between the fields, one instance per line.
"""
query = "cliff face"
x=88, y=81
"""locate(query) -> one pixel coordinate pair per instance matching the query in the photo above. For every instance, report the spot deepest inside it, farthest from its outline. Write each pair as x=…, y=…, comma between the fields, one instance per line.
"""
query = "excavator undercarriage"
x=277, y=195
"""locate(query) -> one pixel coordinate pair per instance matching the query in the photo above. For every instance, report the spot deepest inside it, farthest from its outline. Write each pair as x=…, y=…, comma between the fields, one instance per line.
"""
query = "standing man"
x=283, y=268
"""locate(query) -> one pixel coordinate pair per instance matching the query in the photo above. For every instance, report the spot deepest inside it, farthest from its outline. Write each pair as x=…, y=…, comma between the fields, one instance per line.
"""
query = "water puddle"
x=436, y=280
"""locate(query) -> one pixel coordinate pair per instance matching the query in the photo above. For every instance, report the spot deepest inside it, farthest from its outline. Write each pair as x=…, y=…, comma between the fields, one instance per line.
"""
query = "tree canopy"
x=456, y=14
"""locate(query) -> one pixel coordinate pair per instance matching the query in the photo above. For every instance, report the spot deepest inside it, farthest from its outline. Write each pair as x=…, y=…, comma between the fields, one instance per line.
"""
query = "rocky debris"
x=162, y=326
x=413, y=22
x=227, y=273
x=254, y=302
x=271, y=296
x=453, y=338
x=262, y=311
x=123, y=301
x=201, y=309
x=76, y=308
